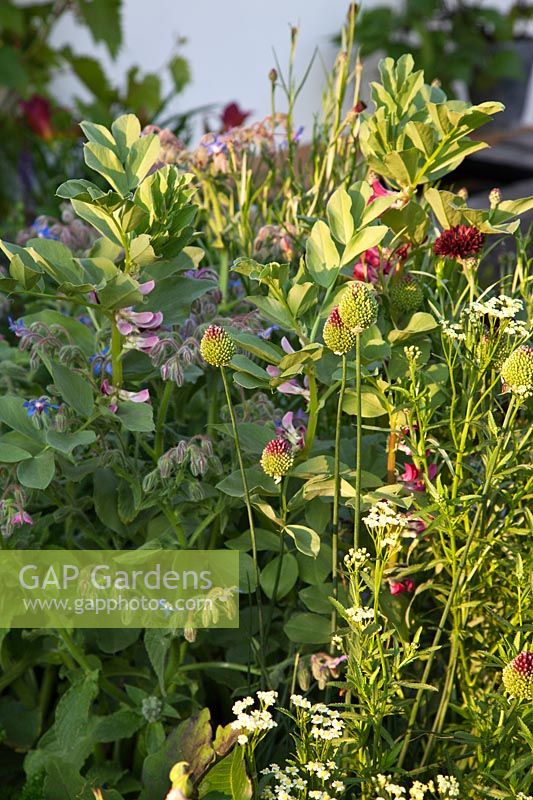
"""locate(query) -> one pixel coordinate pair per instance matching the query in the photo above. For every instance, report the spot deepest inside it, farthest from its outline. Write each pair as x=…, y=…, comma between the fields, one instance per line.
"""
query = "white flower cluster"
x=522, y=796
x=453, y=330
x=300, y=702
x=412, y=353
x=383, y=515
x=336, y=642
x=360, y=614
x=293, y=782
x=501, y=307
x=356, y=558
x=327, y=723
x=444, y=788
x=257, y=720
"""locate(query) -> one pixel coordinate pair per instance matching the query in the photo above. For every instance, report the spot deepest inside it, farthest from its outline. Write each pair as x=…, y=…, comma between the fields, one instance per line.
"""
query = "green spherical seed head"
x=517, y=676
x=336, y=335
x=495, y=355
x=517, y=372
x=406, y=295
x=277, y=458
x=358, y=307
x=217, y=347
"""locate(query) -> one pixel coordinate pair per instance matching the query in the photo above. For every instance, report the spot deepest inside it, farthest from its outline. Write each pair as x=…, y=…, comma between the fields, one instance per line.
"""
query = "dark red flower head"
x=38, y=115
x=233, y=116
x=460, y=242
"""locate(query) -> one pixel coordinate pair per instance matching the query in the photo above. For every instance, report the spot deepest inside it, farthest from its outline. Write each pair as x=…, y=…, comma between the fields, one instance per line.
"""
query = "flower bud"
x=273, y=75
x=277, y=458
x=217, y=347
x=495, y=197
x=518, y=676
x=358, y=307
x=336, y=335
x=406, y=295
x=517, y=372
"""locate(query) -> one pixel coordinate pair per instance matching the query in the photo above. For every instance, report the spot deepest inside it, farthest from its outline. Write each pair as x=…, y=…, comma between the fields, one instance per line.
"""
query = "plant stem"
x=248, y=508
x=161, y=417
x=457, y=583
x=116, y=352
x=337, y=496
x=358, y=442
x=313, y=412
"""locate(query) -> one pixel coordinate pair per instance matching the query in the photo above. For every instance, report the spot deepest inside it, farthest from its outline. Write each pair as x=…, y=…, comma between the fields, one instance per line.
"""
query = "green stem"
x=337, y=496
x=358, y=442
x=161, y=417
x=313, y=413
x=248, y=505
x=457, y=581
x=116, y=352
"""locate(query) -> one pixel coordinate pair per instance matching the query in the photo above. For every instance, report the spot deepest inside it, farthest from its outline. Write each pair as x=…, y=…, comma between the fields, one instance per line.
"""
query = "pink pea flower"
x=142, y=396
x=378, y=190
x=368, y=268
x=147, y=287
x=129, y=321
x=399, y=587
x=414, y=477
x=289, y=428
x=21, y=518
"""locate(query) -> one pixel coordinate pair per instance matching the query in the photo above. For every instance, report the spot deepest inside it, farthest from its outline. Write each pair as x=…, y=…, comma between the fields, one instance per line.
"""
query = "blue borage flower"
x=99, y=361
x=215, y=146
x=42, y=229
x=17, y=326
x=41, y=405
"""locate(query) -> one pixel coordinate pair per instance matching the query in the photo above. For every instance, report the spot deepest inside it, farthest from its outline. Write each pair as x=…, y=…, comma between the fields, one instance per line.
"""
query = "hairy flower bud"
x=518, y=676
x=217, y=347
x=336, y=335
x=358, y=307
x=277, y=458
x=495, y=197
x=517, y=372
x=406, y=295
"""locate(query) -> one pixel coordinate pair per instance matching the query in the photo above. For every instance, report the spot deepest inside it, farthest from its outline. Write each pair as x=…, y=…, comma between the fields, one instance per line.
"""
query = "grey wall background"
x=229, y=47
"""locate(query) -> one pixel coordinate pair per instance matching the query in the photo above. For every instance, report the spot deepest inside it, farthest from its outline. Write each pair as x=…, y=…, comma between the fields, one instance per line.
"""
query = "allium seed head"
x=336, y=335
x=406, y=295
x=495, y=354
x=517, y=372
x=518, y=676
x=277, y=458
x=460, y=242
x=217, y=347
x=358, y=307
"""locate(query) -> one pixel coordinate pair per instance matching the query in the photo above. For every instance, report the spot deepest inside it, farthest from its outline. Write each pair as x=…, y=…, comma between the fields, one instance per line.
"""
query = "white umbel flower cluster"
x=443, y=788
x=359, y=615
x=251, y=722
x=304, y=780
x=356, y=558
x=501, y=307
x=383, y=515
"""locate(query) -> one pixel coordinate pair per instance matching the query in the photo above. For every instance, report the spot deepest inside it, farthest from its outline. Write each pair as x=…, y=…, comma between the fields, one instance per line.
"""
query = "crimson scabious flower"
x=233, y=116
x=217, y=347
x=461, y=242
x=337, y=336
x=277, y=458
x=518, y=676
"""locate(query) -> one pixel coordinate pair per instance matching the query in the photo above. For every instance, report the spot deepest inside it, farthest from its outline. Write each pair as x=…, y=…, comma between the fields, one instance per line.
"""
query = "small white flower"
x=242, y=739
x=300, y=702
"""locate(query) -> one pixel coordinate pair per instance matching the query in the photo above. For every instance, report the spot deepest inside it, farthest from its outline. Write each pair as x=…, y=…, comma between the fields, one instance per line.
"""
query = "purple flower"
x=17, y=326
x=21, y=518
x=40, y=406
x=289, y=429
x=42, y=229
x=129, y=321
x=142, y=396
x=267, y=333
x=99, y=361
x=215, y=146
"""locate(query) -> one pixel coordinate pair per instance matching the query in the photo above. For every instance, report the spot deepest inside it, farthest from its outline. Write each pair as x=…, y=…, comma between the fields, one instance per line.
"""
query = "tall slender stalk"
x=457, y=583
x=358, y=442
x=337, y=496
x=248, y=505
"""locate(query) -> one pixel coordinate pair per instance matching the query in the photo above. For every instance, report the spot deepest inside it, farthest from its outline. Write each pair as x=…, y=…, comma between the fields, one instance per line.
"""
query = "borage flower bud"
x=217, y=347
x=517, y=372
x=358, y=307
x=518, y=676
x=277, y=458
x=336, y=335
x=406, y=295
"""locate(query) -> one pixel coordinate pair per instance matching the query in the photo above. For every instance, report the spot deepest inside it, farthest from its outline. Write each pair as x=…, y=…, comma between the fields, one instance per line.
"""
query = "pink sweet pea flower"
x=399, y=587
x=21, y=518
x=147, y=287
x=414, y=477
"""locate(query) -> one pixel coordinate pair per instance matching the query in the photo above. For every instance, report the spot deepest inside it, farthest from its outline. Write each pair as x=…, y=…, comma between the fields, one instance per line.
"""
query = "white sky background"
x=229, y=48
